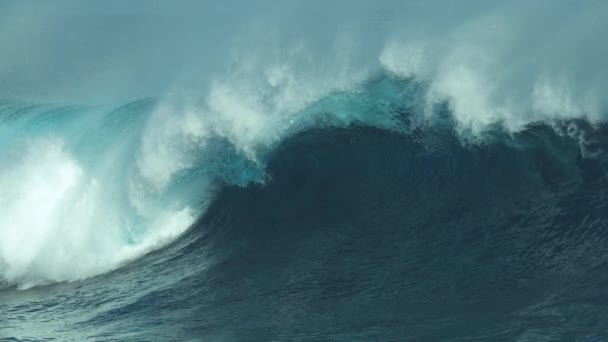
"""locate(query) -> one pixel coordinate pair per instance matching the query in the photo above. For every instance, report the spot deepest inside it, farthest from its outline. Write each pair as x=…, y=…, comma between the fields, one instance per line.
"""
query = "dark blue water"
x=362, y=233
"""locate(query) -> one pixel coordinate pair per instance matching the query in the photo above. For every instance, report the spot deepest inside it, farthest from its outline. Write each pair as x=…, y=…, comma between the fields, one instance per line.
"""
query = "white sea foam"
x=59, y=221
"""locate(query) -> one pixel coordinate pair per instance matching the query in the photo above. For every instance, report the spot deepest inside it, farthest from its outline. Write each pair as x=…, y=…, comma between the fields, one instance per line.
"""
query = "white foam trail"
x=59, y=222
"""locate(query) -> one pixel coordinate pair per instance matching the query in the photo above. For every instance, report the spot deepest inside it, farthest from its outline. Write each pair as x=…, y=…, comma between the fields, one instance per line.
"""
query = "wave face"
x=357, y=216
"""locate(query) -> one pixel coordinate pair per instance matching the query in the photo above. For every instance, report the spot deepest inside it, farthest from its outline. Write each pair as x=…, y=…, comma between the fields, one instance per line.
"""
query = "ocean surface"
x=448, y=193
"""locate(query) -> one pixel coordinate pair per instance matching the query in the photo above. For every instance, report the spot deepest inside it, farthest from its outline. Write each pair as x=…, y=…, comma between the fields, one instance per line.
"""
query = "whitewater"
x=350, y=171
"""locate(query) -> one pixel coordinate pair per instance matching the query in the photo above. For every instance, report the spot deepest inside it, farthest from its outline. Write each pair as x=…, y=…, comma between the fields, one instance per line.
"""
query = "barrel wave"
x=361, y=216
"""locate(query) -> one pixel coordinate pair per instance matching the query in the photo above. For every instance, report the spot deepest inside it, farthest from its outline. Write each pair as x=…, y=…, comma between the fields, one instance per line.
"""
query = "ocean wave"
x=65, y=199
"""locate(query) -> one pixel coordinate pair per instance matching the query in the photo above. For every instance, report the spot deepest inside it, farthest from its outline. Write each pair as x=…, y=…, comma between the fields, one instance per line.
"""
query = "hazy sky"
x=123, y=49
x=112, y=51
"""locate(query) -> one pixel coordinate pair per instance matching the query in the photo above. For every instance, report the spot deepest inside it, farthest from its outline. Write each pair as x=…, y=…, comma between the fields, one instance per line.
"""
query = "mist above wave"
x=494, y=63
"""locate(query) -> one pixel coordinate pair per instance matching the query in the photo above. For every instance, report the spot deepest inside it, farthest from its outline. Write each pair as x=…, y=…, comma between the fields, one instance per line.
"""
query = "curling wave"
x=105, y=186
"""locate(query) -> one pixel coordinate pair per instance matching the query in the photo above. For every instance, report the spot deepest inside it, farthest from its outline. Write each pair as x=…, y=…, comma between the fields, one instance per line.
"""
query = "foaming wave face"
x=66, y=215
x=35, y=185
x=59, y=223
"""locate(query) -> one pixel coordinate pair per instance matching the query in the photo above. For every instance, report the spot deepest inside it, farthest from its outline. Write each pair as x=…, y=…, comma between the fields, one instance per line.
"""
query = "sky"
x=123, y=49
x=491, y=60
